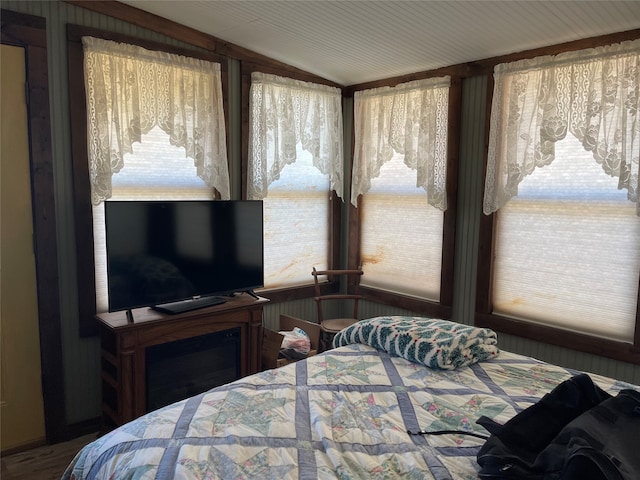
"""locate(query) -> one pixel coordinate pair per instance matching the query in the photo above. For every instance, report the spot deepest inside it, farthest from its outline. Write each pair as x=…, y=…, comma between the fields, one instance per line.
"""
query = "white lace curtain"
x=594, y=94
x=284, y=113
x=410, y=118
x=130, y=90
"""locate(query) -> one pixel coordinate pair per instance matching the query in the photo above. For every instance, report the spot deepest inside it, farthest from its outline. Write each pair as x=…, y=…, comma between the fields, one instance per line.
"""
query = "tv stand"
x=252, y=293
x=124, y=348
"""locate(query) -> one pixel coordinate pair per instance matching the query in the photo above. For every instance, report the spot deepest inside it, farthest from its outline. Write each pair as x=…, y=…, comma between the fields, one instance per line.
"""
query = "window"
x=295, y=161
x=568, y=249
x=399, y=178
x=400, y=234
x=154, y=170
x=562, y=180
x=156, y=130
x=296, y=222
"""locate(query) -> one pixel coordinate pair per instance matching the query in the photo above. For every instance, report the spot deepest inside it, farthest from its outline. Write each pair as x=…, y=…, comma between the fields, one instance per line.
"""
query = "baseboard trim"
x=23, y=447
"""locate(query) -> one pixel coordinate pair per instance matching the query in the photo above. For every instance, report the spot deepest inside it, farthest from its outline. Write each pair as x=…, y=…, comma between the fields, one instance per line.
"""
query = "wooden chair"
x=330, y=326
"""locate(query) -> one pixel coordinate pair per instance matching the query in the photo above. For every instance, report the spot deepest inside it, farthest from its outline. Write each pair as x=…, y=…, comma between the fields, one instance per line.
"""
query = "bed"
x=353, y=412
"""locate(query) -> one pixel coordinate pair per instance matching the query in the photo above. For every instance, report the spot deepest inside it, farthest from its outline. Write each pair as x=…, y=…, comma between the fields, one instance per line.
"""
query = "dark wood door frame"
x=30, y=32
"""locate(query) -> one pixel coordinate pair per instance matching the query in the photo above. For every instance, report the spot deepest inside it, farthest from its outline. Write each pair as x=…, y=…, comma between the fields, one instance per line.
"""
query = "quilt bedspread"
x=342, y=414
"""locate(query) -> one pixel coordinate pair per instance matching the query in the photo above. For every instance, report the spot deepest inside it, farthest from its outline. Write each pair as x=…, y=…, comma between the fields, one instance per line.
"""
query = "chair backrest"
x=353, y=283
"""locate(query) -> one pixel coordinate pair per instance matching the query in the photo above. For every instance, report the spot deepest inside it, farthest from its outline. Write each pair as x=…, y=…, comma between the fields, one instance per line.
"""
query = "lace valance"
x=410, y=118
x=284, y=113
x=130, y=90
x=592, y=94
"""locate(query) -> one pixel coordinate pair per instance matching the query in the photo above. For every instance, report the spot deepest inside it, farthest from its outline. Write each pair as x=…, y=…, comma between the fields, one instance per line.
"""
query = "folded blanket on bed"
x=435, y=343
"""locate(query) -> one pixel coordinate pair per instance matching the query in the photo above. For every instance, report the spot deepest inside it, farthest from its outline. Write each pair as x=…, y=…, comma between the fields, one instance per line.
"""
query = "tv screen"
x=160, y=252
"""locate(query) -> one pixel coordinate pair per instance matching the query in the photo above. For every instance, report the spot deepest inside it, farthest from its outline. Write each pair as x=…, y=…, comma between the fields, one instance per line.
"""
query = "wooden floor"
x=42, y=463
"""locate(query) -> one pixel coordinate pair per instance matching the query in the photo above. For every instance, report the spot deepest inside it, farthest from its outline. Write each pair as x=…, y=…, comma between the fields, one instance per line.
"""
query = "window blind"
x=401, y=234
x=296, y=224
x=568, y=249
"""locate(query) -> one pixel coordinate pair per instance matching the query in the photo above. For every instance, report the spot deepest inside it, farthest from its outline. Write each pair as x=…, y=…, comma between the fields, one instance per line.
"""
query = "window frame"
x=276, y=295
x=485, y=317
x=443, y=308
x=83, y=216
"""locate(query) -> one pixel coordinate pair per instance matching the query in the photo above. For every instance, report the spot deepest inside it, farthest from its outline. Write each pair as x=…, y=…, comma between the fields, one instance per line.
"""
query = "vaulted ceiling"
x=355, y=41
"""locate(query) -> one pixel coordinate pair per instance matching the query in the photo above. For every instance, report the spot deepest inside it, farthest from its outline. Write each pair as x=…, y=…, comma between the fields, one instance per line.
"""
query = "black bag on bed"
x=577, y=431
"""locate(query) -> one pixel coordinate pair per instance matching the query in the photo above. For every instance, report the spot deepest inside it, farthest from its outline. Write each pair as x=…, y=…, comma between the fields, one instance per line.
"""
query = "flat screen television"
x=176, y=256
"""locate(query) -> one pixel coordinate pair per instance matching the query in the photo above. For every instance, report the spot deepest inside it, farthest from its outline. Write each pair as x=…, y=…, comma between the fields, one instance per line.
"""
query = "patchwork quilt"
x=354, y=412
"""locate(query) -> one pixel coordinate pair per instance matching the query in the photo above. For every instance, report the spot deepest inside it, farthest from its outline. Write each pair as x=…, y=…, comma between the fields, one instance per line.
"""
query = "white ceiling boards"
x=355, y=41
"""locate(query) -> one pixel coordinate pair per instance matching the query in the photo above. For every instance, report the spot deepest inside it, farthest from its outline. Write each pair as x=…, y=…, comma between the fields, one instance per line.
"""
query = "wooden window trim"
x=443, y=308
x=555, y=336
x=484, y=308
x=335, y=209
x=81, y=189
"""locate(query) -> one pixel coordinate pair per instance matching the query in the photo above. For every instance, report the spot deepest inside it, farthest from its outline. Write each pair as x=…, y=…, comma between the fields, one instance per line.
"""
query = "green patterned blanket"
x=435, y=343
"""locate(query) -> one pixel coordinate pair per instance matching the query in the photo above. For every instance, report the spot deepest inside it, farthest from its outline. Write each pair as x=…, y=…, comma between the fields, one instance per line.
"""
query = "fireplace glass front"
x=181, y=369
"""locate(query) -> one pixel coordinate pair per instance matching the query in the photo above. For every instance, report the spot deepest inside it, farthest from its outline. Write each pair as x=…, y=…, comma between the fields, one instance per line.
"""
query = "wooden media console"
x=126, y=347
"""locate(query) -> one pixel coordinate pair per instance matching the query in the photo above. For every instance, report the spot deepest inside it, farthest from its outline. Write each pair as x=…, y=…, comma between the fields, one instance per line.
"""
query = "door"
x=21, y=401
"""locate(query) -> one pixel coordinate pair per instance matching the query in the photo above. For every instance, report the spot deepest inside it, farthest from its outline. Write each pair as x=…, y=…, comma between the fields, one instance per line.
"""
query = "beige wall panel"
x=21, y=403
